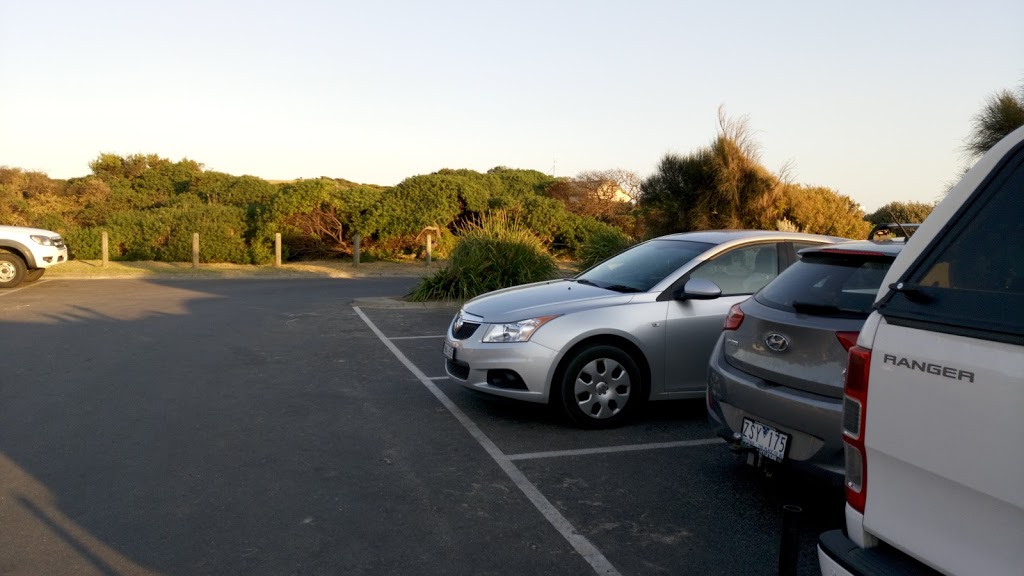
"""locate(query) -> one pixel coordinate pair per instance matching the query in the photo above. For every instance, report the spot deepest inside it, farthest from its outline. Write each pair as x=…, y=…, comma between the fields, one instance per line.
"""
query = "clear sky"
x=872, y=99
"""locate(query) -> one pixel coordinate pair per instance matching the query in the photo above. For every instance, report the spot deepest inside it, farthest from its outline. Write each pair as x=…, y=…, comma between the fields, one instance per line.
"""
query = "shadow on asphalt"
x=258, y=427
x=186, y=427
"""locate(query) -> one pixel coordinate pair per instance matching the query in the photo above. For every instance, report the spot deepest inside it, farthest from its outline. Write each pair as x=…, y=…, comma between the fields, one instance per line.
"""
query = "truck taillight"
x=855, y=402
x=734, y=319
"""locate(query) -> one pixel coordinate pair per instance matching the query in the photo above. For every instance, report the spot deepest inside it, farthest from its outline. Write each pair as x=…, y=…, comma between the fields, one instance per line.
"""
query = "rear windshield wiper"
x=913, y=292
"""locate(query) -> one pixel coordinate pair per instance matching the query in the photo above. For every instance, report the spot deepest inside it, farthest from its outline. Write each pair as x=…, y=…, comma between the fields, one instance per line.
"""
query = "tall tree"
x=720, y=186
x=1002, y=113
x=592, y=194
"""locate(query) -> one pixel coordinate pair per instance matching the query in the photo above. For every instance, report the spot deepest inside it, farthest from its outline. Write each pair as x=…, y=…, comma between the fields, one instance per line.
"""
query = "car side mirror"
x=698, y=289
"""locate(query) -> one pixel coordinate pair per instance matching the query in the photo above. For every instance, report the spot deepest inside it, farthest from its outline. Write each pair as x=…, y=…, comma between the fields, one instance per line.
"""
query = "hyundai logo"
x=776, y=342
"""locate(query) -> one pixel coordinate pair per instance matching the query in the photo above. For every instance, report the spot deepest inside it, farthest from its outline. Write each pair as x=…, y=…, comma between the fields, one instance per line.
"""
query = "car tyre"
x=601, y=387
x=33, y=275
x=12, y=270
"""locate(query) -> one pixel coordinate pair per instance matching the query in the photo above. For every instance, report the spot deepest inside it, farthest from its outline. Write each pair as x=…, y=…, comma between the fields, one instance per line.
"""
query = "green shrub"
x=387, y=250
x=84, y=243
x=221, y=234
x=165, y=234
x=497, y=253
x=405, y=209
x=263, y=252
x=602, y=244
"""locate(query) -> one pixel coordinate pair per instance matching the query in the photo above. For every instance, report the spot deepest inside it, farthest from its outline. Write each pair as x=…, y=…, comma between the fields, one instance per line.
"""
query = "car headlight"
x=515, y=331
x=44, y=240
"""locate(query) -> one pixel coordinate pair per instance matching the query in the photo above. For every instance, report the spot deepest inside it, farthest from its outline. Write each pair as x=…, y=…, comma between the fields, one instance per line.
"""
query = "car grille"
x=465, y=331
x=57, y=241
x=457, y=369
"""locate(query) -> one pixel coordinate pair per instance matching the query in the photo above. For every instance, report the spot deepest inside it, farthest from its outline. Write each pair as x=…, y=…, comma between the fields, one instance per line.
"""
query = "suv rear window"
x=828, y=284
x=971, y=280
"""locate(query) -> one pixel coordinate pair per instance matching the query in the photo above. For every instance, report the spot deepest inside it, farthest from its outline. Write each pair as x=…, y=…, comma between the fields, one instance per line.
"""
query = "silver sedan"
x=639, y=326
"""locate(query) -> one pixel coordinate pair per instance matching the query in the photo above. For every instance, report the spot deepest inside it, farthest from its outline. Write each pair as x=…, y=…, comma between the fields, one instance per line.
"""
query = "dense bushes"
x=84, y=243
x=499, y=252
x=165, y=234
x=819, y=210
x=316, y=218
x=449, y=199
x=903, y=212
x=151, y=206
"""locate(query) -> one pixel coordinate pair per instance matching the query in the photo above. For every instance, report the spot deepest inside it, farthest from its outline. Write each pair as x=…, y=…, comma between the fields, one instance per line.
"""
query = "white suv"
x=25, y=253
x=933, y=419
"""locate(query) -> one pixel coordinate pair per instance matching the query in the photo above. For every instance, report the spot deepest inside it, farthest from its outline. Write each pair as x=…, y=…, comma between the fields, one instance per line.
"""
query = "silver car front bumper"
x=519, y=370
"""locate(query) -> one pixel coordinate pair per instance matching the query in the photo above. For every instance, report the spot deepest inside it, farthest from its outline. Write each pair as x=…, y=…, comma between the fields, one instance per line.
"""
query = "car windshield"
x=828, y=284
x=641, y=267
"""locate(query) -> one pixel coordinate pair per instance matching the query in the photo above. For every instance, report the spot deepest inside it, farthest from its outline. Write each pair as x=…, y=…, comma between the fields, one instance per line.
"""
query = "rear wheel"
x=601, y=387
x=33, y=275
x=12, y=270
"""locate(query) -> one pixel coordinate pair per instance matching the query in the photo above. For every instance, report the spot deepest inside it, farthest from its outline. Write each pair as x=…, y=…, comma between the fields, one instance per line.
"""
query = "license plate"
x=768, y=441
x=449, y=351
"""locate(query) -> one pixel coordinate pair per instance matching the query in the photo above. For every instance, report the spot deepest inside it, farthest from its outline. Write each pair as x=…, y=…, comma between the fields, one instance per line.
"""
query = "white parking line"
x=438, y=378
x=613, y=449
x=28, y=285
x=414, y=337
x=583, y=547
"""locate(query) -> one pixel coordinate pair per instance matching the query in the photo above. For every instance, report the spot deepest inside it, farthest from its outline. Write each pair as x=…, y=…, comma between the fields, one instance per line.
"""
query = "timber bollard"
x=357, y=239
x=277, y=250
x=195, y=249
x=429, y=232
x=106, y=249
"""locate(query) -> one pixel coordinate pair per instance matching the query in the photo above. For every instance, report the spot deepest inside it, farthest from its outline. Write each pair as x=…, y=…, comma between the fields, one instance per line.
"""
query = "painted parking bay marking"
x=583, y=547
x=614, y=449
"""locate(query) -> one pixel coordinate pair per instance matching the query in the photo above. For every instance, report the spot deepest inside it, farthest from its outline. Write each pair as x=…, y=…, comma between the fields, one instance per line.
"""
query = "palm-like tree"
x=1003, y=113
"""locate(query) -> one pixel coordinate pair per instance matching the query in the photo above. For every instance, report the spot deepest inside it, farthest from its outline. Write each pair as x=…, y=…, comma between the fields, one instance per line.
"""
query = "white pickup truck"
x=25, y=253
x=933, y=415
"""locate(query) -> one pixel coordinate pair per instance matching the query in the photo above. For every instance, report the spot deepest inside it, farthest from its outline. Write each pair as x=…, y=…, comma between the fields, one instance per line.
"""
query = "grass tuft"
x=496, y=253
x=602, y=245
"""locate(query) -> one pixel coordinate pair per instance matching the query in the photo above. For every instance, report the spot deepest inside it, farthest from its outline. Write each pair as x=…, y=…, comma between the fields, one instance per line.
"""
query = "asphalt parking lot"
x=298, y=427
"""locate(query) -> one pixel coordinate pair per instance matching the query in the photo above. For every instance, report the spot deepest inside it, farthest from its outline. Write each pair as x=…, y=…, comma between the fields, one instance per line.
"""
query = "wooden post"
x=355, y=249
x=277, y=249
x=106, y=249
x=195, y=249
x=429, y=231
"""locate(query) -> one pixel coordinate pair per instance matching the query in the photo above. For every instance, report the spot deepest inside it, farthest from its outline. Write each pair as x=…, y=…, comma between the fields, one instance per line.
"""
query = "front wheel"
x=12, y=270
x=601, y=387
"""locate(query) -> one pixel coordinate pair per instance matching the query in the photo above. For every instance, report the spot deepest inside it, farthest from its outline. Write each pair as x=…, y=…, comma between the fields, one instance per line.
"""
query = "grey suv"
x=775, y=382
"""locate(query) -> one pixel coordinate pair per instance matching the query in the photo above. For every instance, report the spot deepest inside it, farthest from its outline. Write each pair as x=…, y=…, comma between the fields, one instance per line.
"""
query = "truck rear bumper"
x=840, y=556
